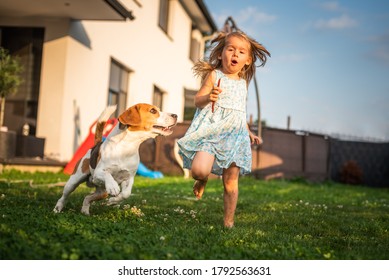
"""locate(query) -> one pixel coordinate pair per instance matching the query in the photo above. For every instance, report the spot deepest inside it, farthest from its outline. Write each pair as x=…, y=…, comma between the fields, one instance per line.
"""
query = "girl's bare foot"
x=198, y=188
x=228, y=225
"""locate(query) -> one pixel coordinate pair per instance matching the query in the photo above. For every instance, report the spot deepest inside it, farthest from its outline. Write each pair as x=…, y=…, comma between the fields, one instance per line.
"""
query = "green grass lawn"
x=162, y=220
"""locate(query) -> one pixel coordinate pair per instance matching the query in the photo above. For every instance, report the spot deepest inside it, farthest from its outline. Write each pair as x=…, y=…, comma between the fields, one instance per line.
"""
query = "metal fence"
x=371, y=161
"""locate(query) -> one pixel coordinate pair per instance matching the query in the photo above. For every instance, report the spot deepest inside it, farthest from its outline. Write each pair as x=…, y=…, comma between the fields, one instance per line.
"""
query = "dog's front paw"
x=112, y=201
x=113, y=189
x=58, y=208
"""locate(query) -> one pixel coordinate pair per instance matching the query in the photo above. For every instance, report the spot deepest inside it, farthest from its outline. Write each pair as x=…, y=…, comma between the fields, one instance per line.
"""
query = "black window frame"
x=118, y=86
x=163, y=18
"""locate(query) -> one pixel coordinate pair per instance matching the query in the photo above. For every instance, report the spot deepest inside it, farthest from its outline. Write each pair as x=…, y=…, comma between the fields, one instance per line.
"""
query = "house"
x=81, y=55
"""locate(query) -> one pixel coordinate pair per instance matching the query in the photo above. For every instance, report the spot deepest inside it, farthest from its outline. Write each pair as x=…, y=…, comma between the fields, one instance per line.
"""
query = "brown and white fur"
x=110, y=166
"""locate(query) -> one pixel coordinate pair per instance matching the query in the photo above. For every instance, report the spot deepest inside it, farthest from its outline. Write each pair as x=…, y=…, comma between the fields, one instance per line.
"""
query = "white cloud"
x=382, y=54
x=330, y=6
x=251, y=13
x=381, y=48
x=341, y=22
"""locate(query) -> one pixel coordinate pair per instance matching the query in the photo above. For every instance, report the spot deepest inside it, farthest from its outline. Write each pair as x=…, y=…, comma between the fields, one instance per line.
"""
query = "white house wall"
x=76, y=66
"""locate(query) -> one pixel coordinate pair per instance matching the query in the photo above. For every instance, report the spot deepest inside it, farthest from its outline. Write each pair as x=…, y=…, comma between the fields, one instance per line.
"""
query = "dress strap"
x=219, y=75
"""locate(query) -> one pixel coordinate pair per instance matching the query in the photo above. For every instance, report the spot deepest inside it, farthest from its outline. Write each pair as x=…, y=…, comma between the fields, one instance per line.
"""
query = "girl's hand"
x=255, y=139
x=214, y=94
x=208, y=92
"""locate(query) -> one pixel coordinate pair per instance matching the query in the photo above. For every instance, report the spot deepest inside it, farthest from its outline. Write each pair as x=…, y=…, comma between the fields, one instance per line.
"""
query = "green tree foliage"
x=10, y=69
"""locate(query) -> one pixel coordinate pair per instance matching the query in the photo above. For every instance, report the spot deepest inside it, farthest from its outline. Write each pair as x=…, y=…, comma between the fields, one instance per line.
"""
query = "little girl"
x=218, y=140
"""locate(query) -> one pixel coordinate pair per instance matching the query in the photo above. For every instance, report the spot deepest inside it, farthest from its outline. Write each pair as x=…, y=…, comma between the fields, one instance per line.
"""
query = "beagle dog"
x=110, y=166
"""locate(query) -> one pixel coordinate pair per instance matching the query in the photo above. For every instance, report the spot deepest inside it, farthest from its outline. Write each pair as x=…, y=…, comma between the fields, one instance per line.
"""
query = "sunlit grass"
x=162, y=220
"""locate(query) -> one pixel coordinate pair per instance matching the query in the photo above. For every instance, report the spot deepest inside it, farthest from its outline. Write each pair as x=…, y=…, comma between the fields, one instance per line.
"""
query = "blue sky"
x=329, y=65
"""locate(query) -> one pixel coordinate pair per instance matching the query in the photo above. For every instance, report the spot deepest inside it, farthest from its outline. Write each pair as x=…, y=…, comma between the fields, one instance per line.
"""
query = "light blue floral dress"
x=223, y=133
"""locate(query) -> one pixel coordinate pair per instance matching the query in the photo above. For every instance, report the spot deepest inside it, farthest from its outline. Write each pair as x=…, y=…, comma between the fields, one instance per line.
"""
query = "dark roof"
x=74, y=9
x=200, y=15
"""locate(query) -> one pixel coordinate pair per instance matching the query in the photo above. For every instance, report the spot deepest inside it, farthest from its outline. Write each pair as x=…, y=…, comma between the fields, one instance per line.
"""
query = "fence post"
x=329, y=176
x=303, y=151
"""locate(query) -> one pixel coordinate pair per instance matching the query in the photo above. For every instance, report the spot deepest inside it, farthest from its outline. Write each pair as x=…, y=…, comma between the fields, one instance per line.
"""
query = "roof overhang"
x=73, y=9
x=200, y=16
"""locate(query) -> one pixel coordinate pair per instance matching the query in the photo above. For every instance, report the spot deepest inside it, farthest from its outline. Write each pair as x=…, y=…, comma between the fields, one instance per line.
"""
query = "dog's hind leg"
x=99, y=194
x=70, y=186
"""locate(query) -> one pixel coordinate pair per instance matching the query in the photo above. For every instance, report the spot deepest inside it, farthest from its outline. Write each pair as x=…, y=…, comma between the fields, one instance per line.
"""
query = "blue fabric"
x=223, y=133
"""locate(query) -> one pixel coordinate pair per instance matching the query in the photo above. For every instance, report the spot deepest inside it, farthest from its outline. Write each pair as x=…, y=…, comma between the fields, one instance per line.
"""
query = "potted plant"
x=10, y=69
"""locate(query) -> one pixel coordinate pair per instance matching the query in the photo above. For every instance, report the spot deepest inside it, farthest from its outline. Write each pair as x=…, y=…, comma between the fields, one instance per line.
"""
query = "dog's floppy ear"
x=131, y=116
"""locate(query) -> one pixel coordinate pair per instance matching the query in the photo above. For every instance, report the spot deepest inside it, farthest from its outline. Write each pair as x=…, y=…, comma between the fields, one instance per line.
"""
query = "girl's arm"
x=208, y=92
x=254, y=138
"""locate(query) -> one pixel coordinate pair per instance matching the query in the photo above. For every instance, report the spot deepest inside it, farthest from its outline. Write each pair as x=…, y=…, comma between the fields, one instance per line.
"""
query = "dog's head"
x=146, y=117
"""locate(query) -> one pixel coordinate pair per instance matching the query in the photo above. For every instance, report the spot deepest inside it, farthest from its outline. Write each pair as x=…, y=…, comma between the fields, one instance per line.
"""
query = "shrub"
x=351, y=173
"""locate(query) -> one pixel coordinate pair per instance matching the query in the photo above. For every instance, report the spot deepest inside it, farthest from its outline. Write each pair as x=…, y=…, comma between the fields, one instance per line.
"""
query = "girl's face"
x=235, y=55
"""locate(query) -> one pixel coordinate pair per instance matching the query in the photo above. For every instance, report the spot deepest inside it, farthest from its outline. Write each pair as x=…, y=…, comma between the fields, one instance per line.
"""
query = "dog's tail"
x=102, y=120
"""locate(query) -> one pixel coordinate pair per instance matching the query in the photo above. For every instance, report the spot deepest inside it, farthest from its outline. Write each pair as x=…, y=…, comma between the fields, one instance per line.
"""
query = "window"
x=158, y=97
x=118, y=85
x=189, y=106
x=194, y=53
x=27, y=44
x=164, y=15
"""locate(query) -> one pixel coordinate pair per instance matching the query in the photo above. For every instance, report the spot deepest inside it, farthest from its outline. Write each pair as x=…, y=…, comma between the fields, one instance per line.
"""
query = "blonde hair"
x=257, y=51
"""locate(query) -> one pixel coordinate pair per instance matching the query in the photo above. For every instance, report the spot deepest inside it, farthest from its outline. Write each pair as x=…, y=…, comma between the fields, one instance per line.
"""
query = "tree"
x=10, y=69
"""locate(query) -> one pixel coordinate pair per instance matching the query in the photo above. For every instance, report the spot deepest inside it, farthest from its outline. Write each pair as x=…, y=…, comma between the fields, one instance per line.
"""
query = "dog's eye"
x=153, y=111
